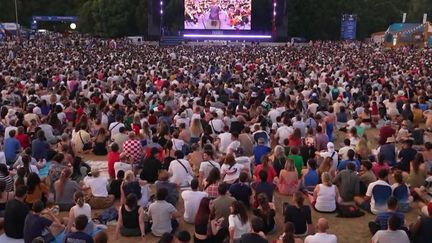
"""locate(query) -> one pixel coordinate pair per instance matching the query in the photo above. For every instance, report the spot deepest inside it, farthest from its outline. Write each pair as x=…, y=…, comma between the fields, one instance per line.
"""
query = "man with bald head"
x=321, y=236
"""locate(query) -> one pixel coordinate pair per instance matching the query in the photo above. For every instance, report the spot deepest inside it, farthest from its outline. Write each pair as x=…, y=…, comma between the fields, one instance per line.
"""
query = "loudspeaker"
x=154, y=18
x=281, y=20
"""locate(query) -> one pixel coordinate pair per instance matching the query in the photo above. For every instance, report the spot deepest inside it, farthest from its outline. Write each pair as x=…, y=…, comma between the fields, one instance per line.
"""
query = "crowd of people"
x=221, y=130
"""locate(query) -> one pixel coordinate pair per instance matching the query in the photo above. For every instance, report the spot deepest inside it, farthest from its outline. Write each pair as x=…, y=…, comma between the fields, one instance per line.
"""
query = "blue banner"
x=430, y=41
x=56, y=18
x=2, y=32
x=349, y=27
x=35, y=19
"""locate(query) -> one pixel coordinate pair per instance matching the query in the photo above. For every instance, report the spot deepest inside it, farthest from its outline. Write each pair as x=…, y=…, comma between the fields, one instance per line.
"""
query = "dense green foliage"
x=312, y=19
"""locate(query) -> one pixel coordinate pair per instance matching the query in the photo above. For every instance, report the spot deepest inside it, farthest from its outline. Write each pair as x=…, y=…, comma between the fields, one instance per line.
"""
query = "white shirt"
x=321, y=238
x=98, y=185
x=389, y=236
x=8, y=129
x=217, y=125
x=178, y=173
x=84, y=210
x=177, y=144
x=118, y=166
x=343, y=152
x=207, y=166
x=283, y=133
x=225, y=140
x=245, y=162
x=333, y=155
x=239, y=228
x=231, y=174
x=326, y=200
x=273, y=114
x=114, y=128
x=233, y=146
x=192, y=200
x=376, y=208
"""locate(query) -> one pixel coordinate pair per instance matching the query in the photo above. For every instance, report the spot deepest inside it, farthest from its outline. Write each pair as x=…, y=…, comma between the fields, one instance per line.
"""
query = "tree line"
x=311, y=19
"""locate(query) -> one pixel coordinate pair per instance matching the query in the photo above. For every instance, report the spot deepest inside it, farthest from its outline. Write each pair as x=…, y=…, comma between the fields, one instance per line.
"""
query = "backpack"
x=107, y=215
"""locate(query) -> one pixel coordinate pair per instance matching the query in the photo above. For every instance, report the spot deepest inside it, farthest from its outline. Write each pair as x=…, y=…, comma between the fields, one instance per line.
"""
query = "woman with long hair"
x=211, y=183
x=266, y=166
x=20, y=179
x=29, y=168
x=130, y=185
x=288, y=182
x=196, y=130
x=267, y=212
x=295, y=139
x=80, y=208
x=325, y=166
x=238, y=221
x=100, y=142
x=362, y=149
x=401, y=192
x=288, y=234
x=417, y=174
x=130, y=221
x=325, y=195
x=279, y=159
x=230, y=170
x=207, y=227
x=36, y=190
x=65, y=188
x=299, y=214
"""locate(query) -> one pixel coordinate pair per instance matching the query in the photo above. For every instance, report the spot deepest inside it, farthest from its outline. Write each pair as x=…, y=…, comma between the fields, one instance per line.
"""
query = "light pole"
x=16, y=13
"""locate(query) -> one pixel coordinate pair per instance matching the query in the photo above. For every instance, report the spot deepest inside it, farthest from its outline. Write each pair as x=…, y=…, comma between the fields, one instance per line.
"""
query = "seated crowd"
x=223, y=150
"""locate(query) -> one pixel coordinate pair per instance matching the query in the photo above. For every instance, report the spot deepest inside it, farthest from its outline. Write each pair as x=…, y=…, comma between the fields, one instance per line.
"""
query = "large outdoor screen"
x=218, y=14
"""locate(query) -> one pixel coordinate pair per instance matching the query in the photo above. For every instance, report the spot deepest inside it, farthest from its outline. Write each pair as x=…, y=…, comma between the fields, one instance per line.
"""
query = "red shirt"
x=386, y=132
x=112, y=158
x=271, y=173
x=23, y=140
x=294, y=142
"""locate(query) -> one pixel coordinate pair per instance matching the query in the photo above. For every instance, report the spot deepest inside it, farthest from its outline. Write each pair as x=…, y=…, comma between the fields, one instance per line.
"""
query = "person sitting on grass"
x=377, y=194
x=381, y=219
x=392, y=234
x=130, y=221
x=163, y=214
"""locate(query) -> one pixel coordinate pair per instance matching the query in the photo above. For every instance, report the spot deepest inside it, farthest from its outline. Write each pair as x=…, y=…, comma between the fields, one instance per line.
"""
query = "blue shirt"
x=40, y=149
x=260, y=151
x=78, y=237
x=11, y=148
x=382, y=218
x=343, y=164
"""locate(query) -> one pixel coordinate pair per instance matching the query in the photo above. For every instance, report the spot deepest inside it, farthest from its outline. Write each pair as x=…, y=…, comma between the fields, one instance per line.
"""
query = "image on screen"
x=218, y=14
